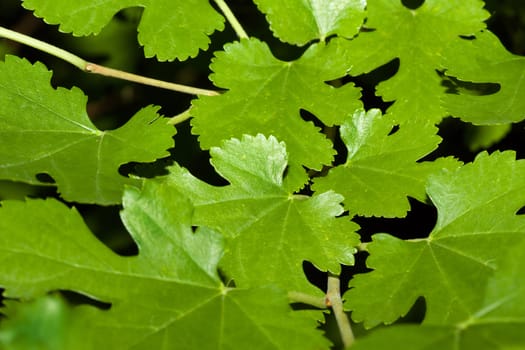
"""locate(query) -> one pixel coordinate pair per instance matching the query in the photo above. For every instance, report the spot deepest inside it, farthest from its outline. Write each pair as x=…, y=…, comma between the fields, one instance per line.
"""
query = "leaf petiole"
x=239, y=30
x=115, y=73
x=333, y=297
x=315, y=301
x=181, y=117
x=89, y=67
x=44, y=47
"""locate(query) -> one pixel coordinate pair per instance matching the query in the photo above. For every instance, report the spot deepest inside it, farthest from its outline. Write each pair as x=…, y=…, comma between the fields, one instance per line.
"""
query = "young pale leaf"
x=272, y=231
x=46, y=130
x=266, y=96
x=381, y=169
x=168, y=29
x=497, y=322
x=477, y=222
x=169, y=296
x=301, y=21
x=417, y=38
x=485, y=60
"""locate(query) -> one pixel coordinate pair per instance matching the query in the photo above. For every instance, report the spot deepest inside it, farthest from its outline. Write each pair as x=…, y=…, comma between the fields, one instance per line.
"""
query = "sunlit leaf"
x=168, y=29
x=47, y=131
x=476, y=225
x=271, y=231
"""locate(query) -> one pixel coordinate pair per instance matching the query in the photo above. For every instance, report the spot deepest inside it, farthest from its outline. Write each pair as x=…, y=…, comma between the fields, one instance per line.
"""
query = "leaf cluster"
x=303, y=163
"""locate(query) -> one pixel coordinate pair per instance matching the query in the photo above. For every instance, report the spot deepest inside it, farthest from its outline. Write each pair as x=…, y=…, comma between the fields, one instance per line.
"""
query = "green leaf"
x=417, y=38
x=479, y=137
x=168, y=29
x=382, y=169
x=266, y=95
x=476, y=223
x=485, y=60
x=40, y=324
x=301, y=21
x=47, y=130
x=168, y=296
x=497, y=322
x=271, y=230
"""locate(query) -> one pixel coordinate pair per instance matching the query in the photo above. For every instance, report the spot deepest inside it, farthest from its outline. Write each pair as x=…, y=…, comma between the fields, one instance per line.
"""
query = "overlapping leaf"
x=271, y=230
x=301, y=21
x=497, y=322
x=477, y=222
x=417, y=38
x=46, y=130
x=169, y=296
x=168, y=29
x=381, y=169
x=485, y=60
x=266, y=95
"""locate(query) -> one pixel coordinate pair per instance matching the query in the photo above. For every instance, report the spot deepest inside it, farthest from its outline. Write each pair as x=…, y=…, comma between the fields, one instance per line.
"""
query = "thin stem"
x=231, y=18
x=417, y=239
x=333, y=296
x=298, y=297
x=180, y=117
x=98, y=69
x=43, y=46
x=363, y=247
x=115, y=73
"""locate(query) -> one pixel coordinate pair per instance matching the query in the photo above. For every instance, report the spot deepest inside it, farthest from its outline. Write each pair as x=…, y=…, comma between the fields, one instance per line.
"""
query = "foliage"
x=476, y=193
x=174, y=276
x=486, y=60
x=381, y=169
x=266, y=95
x=257, y=207
x=63, y=138
x=494, y=322
x=310, y=174
x=161, y=26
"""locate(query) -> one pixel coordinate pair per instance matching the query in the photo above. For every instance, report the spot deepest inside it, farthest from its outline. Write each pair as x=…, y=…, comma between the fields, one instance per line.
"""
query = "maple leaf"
x=46, y=130
x=162, y=298
x=485, y=60
x=168, y=29
x=271, y=231
x=266, y=96
x=301, y=21
x=381, y=169
x=477, y=221
x=496, y=323
x=417, y=38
